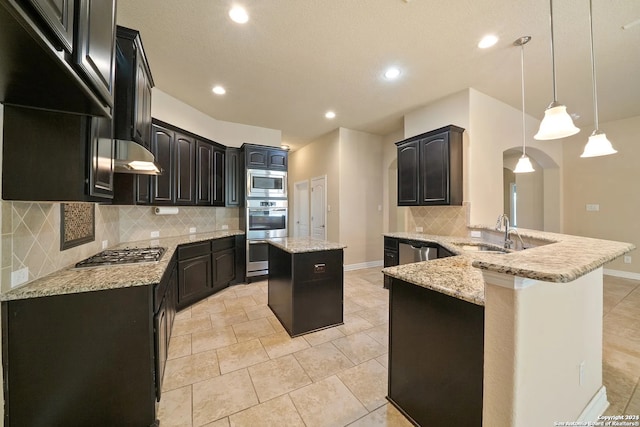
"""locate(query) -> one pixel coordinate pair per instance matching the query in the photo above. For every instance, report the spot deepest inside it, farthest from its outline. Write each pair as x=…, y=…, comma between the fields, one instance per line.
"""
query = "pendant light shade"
x=557, y=122
x=598, y=144
x=524, y=164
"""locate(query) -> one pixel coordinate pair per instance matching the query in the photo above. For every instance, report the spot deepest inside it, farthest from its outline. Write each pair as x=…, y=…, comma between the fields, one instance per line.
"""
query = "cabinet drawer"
x=222, y=244
x=193, y=250
x=318, y=265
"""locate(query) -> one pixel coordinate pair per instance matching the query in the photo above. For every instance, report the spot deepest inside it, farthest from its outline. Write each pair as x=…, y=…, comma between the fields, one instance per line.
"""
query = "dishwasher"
x=414, y=252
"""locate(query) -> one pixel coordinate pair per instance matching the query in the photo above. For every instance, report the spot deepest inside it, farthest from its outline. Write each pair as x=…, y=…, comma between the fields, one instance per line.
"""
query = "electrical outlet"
x=224, y=227
x=105, y=244
x=593, y=207
x=192, y=230
x=18, y=277
x=154, y=243
x=476, y=233
x=155, y=234
x=419, y=229
x=627, y=259
x=328, y=208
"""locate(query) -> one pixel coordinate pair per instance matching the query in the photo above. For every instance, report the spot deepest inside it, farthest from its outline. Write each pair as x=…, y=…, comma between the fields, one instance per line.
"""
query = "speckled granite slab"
x=563, y=259
x=296, y=245
x=71, y=280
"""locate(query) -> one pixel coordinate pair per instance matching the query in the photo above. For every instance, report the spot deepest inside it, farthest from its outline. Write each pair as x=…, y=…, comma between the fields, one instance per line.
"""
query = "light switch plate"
x=593, y=207
x=192, y=230
x=627, y=259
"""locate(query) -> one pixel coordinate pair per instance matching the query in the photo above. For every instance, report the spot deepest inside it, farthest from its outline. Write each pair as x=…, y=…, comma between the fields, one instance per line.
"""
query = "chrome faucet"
x=503, y=219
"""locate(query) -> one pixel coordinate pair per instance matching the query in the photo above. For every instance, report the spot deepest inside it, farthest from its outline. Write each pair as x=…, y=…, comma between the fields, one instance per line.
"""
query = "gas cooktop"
x=123, y=256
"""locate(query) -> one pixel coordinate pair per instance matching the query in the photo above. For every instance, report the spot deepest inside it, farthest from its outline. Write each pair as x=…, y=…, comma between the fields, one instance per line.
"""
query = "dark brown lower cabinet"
x=435, y=356
x=194, y=277
x=84, y=359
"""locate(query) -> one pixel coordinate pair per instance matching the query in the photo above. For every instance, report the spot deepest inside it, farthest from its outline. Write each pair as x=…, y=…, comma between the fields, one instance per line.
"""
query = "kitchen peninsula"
x=519, y=332
x=306, y=283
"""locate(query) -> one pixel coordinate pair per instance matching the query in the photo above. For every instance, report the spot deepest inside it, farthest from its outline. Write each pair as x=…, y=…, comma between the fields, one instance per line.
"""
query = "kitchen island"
x=306, y=283
x=530, y=322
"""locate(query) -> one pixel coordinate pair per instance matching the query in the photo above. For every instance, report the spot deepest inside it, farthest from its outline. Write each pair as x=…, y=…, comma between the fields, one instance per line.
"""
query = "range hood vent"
x=132, y=157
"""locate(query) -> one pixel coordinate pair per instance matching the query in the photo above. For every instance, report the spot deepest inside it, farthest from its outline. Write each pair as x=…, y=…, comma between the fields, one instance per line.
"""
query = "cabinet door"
x=408, y=174
x=95, y=44
x=58, y=14
x=277, y=160
x=204, y=173
x=185, y=169
x=256, y=158
x=161, y=345
x=233, y=177
x=162, y=147
x=101, y=158
x=142, y=103
x=194, y=279
x=143, y=189
x=434, y=169
x=224, y=268
x=218, y=177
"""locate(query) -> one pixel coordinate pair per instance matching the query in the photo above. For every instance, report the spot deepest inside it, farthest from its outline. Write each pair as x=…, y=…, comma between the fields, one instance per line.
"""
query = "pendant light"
x=557, y=122
x=524, y=164
x=598, y=144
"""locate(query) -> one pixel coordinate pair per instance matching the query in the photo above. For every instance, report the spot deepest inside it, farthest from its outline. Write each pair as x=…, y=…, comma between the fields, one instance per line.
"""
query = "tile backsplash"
x=31, y=238
x=440, y=220
x=137, y=222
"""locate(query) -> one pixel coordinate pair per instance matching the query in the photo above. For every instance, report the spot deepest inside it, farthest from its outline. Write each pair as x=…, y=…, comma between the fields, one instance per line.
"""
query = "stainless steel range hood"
x=131, y=157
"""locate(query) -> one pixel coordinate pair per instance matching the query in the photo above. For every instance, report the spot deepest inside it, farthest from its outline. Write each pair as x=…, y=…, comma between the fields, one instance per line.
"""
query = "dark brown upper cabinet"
x=185, y=148
x=430, y=168
x=58, y=55
x=233, y=177
x=132, y=115
x=163, y=148
x=74, y=164
x=263, y=157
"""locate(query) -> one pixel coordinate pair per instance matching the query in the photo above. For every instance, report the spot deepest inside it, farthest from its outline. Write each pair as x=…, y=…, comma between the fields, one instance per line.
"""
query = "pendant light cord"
x=553, y=54
x=593, y=69
x=523, y=115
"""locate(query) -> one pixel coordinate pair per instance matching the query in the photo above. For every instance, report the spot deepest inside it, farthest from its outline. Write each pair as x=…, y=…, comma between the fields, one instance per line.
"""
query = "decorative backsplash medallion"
x=77, y=224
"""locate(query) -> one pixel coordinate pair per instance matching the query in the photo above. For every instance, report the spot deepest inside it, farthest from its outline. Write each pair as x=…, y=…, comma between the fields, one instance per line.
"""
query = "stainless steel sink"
x=483, y=247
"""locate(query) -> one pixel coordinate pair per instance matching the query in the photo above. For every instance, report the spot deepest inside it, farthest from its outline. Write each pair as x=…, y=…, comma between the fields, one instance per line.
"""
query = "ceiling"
x=296, y=59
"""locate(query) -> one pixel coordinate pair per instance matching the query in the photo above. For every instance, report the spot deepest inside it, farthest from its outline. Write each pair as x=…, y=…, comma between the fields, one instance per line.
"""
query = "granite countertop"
x=562, y=259
x=71, y=280
x=295, y=245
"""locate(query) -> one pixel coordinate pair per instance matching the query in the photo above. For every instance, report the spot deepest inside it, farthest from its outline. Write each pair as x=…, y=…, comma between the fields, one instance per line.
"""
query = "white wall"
x=169, y=109
x=392, y=215
x=450, y=110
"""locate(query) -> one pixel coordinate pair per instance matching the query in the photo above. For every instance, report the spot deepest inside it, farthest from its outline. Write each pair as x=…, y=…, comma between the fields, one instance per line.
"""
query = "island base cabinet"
x=306, y=289
x=83, y=359
x=435, y=356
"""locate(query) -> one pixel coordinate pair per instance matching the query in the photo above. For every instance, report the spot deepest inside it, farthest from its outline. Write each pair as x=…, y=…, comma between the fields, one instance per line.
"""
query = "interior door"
x=301, y=209
x=319, y=207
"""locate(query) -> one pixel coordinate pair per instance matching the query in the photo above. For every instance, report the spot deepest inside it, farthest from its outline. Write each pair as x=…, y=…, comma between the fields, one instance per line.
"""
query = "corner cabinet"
x=430, y=168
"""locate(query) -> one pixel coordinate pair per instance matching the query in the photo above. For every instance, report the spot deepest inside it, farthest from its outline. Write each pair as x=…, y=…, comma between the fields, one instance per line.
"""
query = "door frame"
x=296, y=211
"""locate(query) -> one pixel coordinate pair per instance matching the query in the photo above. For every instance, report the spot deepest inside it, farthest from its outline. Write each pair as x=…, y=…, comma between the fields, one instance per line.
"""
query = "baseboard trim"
x=595, y=407
x=361, y=265
x=623, y=274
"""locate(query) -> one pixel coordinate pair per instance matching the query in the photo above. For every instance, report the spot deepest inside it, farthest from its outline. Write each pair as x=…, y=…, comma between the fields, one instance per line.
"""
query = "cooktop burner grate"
x=123, y=256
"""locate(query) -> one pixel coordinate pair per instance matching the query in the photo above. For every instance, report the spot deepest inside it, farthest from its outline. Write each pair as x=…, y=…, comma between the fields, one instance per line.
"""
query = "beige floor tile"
x=222, y=396
x=207, y=307
x=261, y=299
x=277, y=326
x=376, y=316
x=619, y=323
x=190, y=369
x=179, y=346
x=184, y=314
x=370, y=301
x=322, y=361
x=323, y=336
x=240, y=302
x=327, y=403
x=229, y=318
x=360, y=347
x=213, y=339
x=281, y=344
x=222, y=422
x=351, y=307
x=385, y=416
x=633, y=408
x=278, y=412
x=380, y=333
x=619, y=388
x=190, y=325
x=253, y=329
x=241, y=355
x=277, y=377
x=258, y=312
x=174, y=409
x=383, y=360
x=353, y=323
x=368, y=382
x=247, y=290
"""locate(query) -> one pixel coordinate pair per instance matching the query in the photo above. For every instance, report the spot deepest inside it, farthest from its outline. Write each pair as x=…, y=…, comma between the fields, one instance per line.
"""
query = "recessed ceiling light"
x=284, y=146
x=239, y=14
x=330, y=115
x=488, y=41
x=219, y=90
x=392, y=73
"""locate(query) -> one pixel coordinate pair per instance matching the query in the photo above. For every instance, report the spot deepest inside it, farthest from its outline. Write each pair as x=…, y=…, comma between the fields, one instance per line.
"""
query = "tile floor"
x=232, y=364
